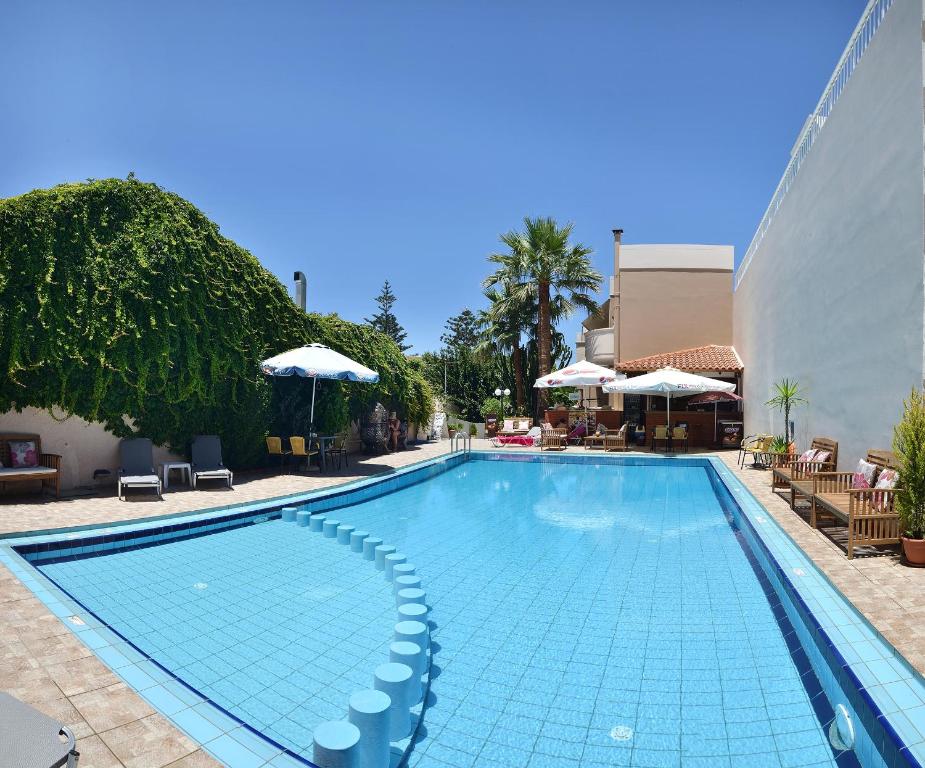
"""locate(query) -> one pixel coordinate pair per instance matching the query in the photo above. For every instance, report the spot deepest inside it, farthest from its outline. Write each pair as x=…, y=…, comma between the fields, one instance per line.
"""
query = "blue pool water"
x=593, y=615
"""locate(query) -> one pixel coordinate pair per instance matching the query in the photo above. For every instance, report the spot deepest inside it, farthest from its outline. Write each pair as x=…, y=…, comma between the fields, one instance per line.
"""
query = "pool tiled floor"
x=33, y=642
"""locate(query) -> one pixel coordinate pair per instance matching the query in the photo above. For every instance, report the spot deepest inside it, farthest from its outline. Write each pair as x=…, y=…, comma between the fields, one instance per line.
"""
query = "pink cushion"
x=887, y=479
x=22, y=454
x=822, y=456
x=864, y=475
x=807, y=455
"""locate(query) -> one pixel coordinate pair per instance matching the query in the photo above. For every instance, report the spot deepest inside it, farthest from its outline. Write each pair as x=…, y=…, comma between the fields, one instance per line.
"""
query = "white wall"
x=834, y=295
x=84, y=446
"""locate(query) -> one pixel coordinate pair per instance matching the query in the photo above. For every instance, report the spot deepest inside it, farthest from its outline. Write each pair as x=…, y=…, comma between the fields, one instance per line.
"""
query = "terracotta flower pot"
x=914, y=551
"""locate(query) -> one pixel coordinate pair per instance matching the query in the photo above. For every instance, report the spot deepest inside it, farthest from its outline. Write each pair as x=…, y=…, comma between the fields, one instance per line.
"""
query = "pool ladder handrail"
x=466, y=440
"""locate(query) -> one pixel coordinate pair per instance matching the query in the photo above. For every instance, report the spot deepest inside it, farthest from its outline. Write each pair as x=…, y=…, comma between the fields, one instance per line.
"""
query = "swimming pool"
x=586, y=612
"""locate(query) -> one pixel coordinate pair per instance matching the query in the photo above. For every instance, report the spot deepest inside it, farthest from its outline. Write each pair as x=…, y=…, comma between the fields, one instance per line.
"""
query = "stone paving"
x=43, y=663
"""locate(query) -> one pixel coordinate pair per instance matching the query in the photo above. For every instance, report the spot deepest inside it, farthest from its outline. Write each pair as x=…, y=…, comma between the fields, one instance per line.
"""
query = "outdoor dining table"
x=323, y=442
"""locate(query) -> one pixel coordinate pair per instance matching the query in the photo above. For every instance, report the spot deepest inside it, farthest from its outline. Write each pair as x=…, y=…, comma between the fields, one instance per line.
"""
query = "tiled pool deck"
x=42, y=662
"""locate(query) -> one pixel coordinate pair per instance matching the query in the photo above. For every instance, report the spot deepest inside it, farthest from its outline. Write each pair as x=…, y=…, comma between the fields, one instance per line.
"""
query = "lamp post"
x=502, y=393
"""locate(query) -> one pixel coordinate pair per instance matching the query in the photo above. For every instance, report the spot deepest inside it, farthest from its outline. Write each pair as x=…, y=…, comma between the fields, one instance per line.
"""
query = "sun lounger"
x=529, y=440
x=787, y=468
x=137, y=465
x=31, y=738
x=869, y=513
x=207, y=460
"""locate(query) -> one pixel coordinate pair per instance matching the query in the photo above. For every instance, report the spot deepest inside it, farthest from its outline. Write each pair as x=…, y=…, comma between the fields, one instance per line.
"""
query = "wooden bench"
x=48, y=470
x=787, y=468
x=869, y=513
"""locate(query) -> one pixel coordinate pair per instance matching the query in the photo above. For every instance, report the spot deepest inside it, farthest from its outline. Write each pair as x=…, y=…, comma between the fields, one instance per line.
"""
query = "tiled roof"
x=712, y=357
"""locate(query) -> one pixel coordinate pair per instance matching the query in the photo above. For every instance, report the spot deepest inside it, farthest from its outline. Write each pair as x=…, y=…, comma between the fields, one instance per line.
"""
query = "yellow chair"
x=297, y=444
x=275, y=448
x=679, y=435
x=661, y=433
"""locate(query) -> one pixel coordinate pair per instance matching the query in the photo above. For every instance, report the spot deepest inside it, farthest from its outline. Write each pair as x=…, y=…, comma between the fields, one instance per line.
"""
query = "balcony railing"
x=863, y=33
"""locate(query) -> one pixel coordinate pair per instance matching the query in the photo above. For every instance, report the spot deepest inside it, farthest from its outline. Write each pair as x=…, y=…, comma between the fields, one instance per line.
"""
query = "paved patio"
x=43, y=663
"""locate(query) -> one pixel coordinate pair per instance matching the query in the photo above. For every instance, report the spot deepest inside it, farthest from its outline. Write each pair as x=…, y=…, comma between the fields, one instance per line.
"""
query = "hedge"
x=121, y=303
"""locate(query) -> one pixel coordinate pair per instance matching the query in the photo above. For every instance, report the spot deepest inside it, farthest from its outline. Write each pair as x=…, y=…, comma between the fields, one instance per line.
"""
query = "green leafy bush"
x=491, y=406
x=909, y=446
x=121, y=303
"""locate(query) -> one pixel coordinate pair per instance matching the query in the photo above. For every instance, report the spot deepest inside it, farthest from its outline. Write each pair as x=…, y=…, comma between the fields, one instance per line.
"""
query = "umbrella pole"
x=311, y=427
x=668, y=418
x=715, y=405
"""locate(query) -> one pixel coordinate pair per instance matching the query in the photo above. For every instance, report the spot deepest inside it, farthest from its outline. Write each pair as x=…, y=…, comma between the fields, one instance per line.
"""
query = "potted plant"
x=491, y=414
x=787, y=396
x=909, y=446
x=473, y=430
x=451, y=427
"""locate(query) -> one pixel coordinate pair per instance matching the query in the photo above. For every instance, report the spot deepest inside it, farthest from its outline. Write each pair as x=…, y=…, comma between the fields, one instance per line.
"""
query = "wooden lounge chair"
x=207, y=462
x=787, y=467
x=553, y=439
x=515, y=426
x=616, y=441
x=869, y=513
x=47, y=467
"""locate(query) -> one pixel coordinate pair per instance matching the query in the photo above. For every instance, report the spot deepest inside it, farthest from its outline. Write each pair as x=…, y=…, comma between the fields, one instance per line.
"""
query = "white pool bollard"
x=316, y=524
x=403, y=569
x=412, y=632
x=410, y=596
x=288, y=514
x=404, y=582
x=396, y=558
x=369, y=547
x=395, y=680
x=302, y=517
x=413, y=612
x=343, y=533
x=356, y=540
x=336, y=745
x=381, y=551
x=369, y=711
x=412, y=654
x=330, y=529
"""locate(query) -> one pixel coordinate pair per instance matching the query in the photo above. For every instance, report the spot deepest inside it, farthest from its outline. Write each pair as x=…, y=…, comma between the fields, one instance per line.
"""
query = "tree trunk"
x=543, y=344
x=518, y=363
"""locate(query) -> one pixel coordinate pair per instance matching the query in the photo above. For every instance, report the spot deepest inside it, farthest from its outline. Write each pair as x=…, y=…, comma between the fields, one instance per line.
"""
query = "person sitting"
x=394, y=431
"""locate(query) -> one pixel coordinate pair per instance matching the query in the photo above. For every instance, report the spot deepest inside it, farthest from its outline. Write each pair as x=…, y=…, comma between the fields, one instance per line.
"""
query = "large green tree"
x=385, y=320
x=503, y=325
x=542, y=266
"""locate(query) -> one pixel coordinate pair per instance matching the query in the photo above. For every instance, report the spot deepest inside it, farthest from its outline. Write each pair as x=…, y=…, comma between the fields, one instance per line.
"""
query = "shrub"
x=491, y=406
x=909, y=445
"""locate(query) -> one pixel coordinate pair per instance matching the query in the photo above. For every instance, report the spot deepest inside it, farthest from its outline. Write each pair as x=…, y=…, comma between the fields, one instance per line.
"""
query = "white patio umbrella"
x=669, y=382
x=582, y=374
x=316, y=361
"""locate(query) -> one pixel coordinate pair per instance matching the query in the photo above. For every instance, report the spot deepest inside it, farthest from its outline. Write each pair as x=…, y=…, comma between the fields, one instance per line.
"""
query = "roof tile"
x=712, y=357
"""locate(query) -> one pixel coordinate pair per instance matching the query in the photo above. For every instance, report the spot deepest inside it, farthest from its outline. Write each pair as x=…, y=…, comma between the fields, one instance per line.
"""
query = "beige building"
x=662, y=298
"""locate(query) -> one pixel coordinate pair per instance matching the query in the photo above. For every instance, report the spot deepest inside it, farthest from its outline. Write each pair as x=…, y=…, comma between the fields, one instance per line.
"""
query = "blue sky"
x=362, y=141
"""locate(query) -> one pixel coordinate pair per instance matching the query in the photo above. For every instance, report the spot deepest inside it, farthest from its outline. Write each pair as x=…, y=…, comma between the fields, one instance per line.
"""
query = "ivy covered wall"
x=119, y=299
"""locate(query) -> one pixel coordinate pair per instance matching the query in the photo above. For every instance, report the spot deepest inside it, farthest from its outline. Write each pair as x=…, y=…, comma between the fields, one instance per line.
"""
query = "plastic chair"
x=297, y=444
x=275, y=448
x=338, y=449
x=679, y=435
x=661, y=433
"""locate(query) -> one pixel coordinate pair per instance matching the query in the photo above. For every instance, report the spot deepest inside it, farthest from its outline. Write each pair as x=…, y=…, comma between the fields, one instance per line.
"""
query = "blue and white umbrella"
x=316, y=361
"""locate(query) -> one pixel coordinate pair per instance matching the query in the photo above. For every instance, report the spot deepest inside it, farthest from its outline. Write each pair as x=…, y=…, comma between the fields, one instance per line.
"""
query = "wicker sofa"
x=47, y=470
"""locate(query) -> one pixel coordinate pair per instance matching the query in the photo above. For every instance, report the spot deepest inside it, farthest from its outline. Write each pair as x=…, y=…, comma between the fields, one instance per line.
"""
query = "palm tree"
x=787, y=397
x=542, y=267
x=503, y=324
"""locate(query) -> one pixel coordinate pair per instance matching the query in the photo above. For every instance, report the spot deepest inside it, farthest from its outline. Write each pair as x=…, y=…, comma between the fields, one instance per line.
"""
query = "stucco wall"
x=834, y=295
x=83, y=446
x=666, y=310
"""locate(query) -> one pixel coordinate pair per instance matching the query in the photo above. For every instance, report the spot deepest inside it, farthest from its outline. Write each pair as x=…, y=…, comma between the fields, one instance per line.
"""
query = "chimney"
x=615, y=295
x=300, y=284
